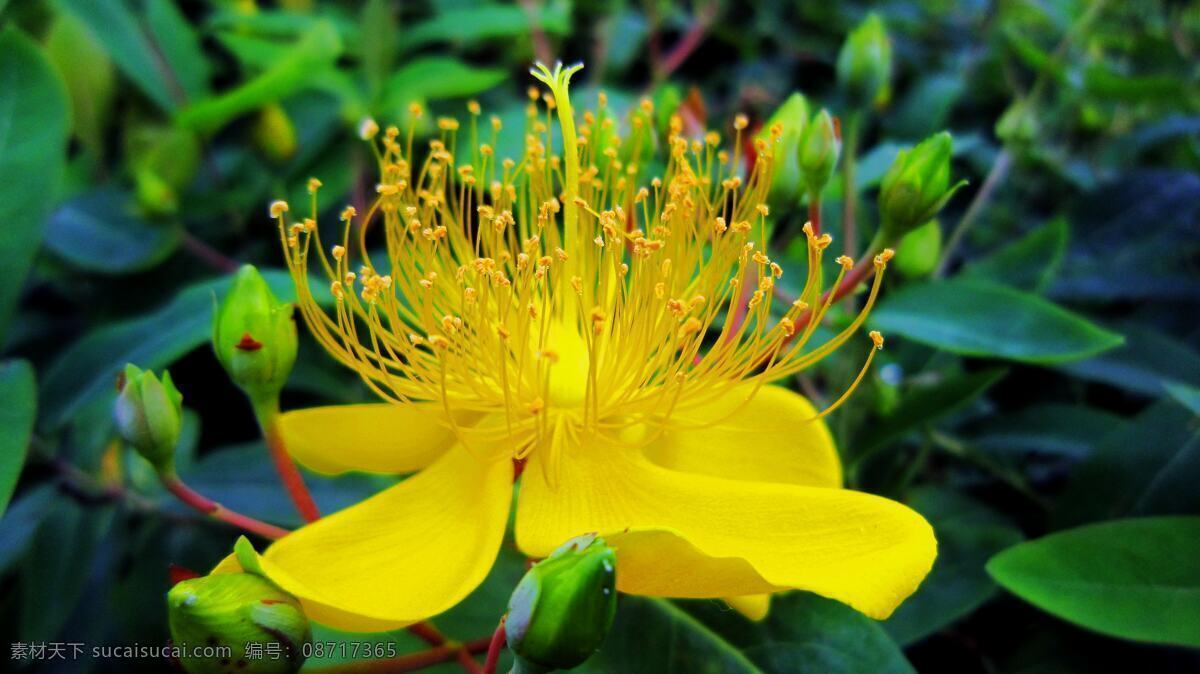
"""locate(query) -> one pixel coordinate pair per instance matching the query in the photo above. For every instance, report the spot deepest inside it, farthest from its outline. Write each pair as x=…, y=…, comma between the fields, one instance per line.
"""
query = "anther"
x=278, y=208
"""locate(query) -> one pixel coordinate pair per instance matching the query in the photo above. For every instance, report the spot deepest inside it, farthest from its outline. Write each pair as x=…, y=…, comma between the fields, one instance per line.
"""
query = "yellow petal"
x=771, y=438
x=753, y=606
x=378, y=438
x=408, y=553
x=687, y=535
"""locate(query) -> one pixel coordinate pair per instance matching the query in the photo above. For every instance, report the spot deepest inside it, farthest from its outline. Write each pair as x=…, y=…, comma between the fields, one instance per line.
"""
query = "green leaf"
x=20, y=522
x=89, y=76
x=173, y=37
x=924, y=405
x=977, y=318
x=803, y=634
x=1150, y=466
x=86, y=370
x=1028, y=263
x=434, y=77
x=681, y=643
x=968, y=534
x=316, y=50
x=54, y=574
x=1135, y=579
x=141, y=57
x=473, y=24
x=1145, y=363
x=101, y=232
x=1071, y=431
x=33, y=141
x=1188, y=396
x=18, y=401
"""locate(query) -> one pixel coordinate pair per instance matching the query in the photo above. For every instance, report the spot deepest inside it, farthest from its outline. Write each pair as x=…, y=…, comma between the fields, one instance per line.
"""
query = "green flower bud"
x=562, y=609
x=820, y=145
x=254, y=337
x=918, y=251
x=783, y=131
x=916, y=187
x=274, y=133
x=264, y=628
x=864, y=66
x=149, y=415
x=1018, y=125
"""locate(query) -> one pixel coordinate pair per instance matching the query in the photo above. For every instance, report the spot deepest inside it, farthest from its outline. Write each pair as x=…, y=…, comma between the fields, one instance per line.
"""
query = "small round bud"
x=263, y=627
x=791, y=118
x=148, y=414
x=563, y=607
x=918, y=251
x=916, y=187
x=864, y=65
x=254, y=337
x=820, y=146
x=274, y=134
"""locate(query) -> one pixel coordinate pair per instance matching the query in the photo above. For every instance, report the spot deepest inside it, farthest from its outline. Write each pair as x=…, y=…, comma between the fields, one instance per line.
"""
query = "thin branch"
x=995, y=176
x=687, y=43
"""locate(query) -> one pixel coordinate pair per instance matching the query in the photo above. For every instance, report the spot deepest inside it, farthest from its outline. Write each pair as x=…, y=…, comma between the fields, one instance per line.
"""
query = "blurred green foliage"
x=1041, y=380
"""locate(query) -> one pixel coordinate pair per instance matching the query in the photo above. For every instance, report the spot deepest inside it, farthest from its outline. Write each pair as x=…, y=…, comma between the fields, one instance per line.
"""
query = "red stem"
x=427, y=633
x=288, y=473
x=494, y=648
x=688, y=43
x=814, y=214
x=217, y=511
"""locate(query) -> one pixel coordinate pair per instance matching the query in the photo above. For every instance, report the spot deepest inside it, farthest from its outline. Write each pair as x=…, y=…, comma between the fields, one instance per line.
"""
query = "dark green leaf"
x=1135, y=579
x=1029, y=263
x=976, y=318
x=1145, y=363
x=968, y=534
x=33, y=140
x=1188, y=396
x=806, y=634
x=18, y=398
x=102, y=232
x=1071, y=431
x=57, y=566
x=19, y=523
x=1136, y=468
x=88, y=368
x=651, y=636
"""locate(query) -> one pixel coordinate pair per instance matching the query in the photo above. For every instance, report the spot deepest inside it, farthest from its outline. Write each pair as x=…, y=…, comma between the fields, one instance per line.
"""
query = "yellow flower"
x=561, y=315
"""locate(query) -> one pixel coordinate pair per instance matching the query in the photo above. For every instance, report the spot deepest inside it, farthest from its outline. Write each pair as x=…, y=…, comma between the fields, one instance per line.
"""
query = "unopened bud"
x=274, y=133
x=916, y=187
x=918, y=251
x=148, y=413
x=820, y=145
x=231, y=611
x=791, y=117
x=254, y=337
x=563, y=607
x=864, y=65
